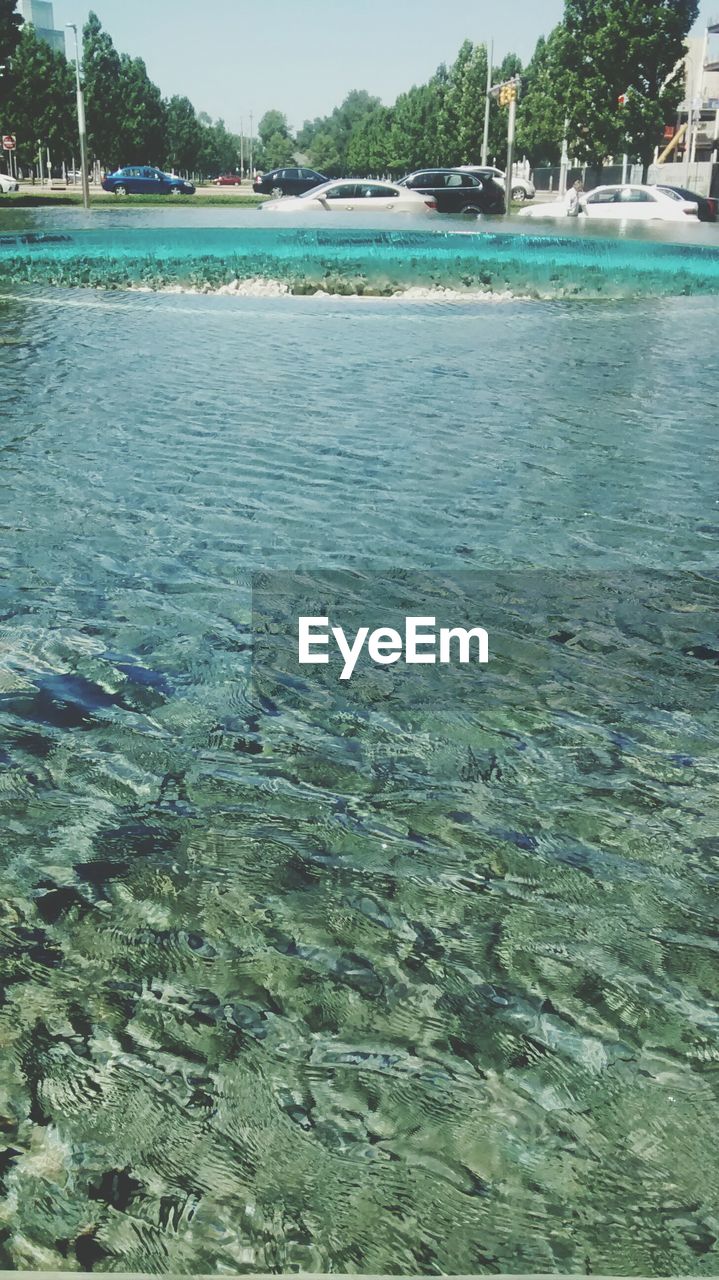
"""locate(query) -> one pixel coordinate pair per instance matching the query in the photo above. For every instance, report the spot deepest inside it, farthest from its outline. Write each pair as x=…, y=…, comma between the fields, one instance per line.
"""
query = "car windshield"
x=314, y=192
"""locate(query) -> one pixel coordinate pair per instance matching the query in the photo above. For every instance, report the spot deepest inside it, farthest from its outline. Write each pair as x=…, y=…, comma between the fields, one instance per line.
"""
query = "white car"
x=632, y=203
x=353, y=195
x=637, y=203
x=8, y=184
x=558, y=208
x=522, y=188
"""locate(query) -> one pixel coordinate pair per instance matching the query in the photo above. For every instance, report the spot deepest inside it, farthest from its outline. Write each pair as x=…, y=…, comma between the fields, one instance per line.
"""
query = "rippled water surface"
x=408, y=977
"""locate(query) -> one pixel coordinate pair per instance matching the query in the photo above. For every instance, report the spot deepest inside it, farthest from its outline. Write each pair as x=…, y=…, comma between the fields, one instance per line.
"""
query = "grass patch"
x=25, y=200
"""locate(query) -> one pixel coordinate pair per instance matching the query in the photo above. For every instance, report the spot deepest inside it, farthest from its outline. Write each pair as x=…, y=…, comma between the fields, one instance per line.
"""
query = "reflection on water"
x=400, y=985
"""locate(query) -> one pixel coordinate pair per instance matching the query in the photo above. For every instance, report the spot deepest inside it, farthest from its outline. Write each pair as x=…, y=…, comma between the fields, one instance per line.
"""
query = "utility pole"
x=485, y=135
x=252, y=172
x=242, y=149
x=564, y=162
x=82, y=128
x=510, y=150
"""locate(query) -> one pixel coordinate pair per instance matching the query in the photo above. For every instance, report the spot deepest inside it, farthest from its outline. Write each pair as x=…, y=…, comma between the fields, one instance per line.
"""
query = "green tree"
x=42, y=106
x=450, y=116
x=184, y=136
x=277, y=145
x=220, y=149
x=414, y=138
x=542, y=105
x=510, y=66
x=103, y=93
x=472, y=89
x=369, y=149
x=611, y=47
x=143, y=121
x=326, y=140
x=10, y=27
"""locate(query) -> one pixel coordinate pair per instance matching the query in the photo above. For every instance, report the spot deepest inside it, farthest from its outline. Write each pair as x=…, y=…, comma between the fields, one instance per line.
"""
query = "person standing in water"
x=573, y=203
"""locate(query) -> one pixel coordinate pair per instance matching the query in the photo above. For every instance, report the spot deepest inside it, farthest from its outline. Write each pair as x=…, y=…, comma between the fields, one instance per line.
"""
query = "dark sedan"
x=287, y=182
x=457, y=192
x=145, y=180
x=706, y=205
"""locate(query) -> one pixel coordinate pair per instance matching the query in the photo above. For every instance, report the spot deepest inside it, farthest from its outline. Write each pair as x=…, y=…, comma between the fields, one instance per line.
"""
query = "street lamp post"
x=81, y=122
x=485, y=133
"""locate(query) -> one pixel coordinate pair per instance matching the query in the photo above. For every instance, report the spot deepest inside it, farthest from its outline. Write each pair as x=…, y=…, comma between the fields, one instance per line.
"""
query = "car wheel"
x=176, y=191
x=471, y=211
x=277, y=192
x=120, y=191
x=519, y=194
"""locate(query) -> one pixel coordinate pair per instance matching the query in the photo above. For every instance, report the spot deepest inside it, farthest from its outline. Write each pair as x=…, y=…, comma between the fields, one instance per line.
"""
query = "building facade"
x=39, y=14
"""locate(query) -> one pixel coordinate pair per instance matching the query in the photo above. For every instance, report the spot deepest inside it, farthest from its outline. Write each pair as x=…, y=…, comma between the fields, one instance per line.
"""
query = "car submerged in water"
x=145, y=180
x=454, y=191
x=352, y=196
x=631, y=202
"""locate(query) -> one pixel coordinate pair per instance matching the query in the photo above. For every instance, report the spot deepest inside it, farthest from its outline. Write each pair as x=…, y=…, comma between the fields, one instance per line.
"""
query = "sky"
x=233, y=57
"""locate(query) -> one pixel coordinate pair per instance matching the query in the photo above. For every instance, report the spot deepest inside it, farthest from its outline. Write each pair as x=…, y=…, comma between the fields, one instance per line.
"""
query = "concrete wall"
x=702, y=178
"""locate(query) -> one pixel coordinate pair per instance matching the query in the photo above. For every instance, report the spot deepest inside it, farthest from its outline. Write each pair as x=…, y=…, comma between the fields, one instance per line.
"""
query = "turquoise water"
x=415, y=976
x=379, y=259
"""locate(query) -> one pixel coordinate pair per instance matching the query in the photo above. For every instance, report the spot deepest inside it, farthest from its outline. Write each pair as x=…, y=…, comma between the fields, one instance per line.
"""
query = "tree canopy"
x=611, y=47
x=326, y=140
x=10, y=26
x=276, y=144
x=43, y=113
x=602, y=49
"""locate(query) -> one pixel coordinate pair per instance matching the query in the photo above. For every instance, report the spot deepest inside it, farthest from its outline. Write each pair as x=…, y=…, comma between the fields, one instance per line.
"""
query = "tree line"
x=128, y=120
x=601, y=50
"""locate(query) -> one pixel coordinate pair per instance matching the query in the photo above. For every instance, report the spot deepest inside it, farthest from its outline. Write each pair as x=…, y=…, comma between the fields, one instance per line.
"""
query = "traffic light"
x=507, y=93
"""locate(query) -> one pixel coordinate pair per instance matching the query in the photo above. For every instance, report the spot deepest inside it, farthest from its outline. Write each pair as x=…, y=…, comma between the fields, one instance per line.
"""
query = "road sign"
x=9, y=141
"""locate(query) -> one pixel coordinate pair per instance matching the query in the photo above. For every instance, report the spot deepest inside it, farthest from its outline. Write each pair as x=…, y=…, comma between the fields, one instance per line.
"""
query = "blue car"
x=145, y=180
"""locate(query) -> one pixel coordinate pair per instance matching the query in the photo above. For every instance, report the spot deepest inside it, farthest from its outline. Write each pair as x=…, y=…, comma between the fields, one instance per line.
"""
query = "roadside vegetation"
x=27, y=198
x=601, y=51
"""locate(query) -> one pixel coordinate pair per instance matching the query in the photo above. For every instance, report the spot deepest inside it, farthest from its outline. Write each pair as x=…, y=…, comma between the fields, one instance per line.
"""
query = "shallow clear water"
x=410, y=977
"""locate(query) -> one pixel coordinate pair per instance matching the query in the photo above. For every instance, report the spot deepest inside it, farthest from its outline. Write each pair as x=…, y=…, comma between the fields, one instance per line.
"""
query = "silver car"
x=522, y=188
x=8, y=184
x=354, y=195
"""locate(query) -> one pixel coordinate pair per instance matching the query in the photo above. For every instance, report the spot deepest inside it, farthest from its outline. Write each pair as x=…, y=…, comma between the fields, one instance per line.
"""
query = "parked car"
x=287, y=182
x=352, y=196
x=457, y=192
x=637, y=203
x=144, y=180
x=8, y=184
x=706, y=205
x=228, y=180
x=522, y=188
